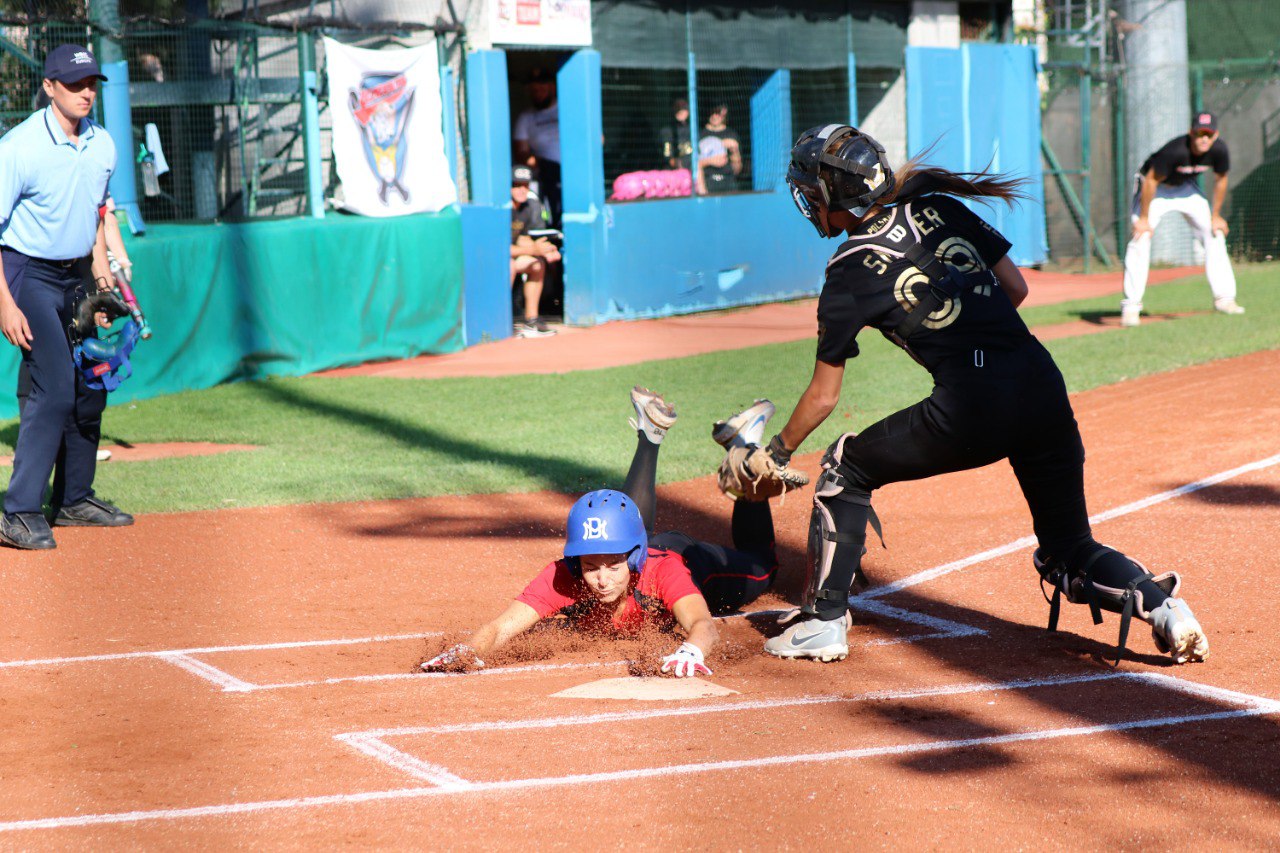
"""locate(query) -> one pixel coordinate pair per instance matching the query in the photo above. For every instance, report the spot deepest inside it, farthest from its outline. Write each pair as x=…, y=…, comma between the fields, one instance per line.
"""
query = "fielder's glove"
x=684, y=662
x=754, y=474
x=458, y=658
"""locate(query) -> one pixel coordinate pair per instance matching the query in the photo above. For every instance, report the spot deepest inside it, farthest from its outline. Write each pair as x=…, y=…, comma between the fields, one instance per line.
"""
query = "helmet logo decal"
x=594, y=528
x=876, y=179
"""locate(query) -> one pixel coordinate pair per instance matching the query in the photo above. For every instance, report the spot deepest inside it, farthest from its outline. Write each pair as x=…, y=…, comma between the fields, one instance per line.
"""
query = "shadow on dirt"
x=1238, y=494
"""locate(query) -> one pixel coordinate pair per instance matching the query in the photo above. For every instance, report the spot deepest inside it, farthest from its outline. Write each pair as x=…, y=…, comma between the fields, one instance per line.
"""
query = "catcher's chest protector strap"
x=944, y=282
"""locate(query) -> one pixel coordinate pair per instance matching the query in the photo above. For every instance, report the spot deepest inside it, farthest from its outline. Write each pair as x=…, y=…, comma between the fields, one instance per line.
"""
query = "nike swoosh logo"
x=798, y=640
x=759, y=420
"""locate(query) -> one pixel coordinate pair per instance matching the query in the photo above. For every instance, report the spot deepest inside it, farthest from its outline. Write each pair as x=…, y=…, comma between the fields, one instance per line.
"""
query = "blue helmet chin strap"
x=104, y=362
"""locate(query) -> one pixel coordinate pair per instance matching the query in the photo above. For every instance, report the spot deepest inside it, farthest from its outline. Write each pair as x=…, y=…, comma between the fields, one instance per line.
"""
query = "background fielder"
x=1166, y=183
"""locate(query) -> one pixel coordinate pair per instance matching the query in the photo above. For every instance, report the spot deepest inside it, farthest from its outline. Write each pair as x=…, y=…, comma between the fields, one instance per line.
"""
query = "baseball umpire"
x=918, y=266
x=1165, y=184
x=54, y=169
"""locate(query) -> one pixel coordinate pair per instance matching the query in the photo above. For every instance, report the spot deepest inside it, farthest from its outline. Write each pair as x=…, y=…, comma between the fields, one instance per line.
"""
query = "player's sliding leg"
x=732, y=578
x=654, y=416
x=1085, y=572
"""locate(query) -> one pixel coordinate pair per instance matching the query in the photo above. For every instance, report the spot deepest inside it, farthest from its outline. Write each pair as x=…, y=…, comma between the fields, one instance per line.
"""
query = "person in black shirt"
x=1166, y=183
x=530, y=252
x=677, y=146
x=719, y=155
x=920, y=268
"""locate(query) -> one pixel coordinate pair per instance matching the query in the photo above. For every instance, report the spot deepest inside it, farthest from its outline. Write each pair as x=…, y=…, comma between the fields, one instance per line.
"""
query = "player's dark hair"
x=915, y=179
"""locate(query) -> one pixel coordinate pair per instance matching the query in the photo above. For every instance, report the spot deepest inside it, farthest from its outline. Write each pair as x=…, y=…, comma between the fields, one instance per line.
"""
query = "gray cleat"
x=1177, y=632
x=814, y=639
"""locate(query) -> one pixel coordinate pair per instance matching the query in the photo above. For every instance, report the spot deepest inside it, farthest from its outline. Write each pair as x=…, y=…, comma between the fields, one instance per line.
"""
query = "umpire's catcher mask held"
x=836, y=166
x=605, y=522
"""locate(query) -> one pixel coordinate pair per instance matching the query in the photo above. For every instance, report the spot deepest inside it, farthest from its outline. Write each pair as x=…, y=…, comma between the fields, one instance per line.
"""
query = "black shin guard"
x=1104, y=579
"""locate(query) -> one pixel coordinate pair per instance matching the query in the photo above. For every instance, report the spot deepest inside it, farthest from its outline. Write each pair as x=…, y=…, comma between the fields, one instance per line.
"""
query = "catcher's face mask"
x=810, y=198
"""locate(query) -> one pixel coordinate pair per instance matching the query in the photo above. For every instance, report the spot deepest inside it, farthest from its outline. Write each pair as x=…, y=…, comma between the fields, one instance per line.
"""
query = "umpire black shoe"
x=27, y=530
x=91, y=512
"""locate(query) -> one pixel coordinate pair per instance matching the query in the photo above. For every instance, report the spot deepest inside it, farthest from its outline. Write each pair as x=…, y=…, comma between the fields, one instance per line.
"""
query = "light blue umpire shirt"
x=50, y=189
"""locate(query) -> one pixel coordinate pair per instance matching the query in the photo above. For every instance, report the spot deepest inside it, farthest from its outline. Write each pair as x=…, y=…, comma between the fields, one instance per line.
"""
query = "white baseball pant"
x=1217, y=265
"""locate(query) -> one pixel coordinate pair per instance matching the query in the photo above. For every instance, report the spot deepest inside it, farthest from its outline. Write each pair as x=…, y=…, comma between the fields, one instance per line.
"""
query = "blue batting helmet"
x=605, y=522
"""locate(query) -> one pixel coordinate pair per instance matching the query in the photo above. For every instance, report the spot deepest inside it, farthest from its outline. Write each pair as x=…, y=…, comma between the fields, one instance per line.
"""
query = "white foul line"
x=298, y=644
x=750, y=705
x=429, y=676
x=1028, y=541
x=464, y=787
x=209, y=672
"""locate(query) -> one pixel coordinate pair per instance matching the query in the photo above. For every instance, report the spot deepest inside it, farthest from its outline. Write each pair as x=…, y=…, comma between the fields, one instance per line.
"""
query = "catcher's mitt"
x=750, y=474
x=102, y=302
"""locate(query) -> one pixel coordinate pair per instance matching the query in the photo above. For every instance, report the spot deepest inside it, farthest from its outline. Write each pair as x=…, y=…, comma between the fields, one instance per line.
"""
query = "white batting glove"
x=684, y=662
x=458, y=658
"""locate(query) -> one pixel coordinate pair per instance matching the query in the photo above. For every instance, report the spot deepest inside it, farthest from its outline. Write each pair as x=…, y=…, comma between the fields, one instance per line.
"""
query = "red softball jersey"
x=664, y=581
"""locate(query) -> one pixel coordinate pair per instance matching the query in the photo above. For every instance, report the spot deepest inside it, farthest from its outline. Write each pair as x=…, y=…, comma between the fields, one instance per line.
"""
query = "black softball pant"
x=1014, y=407
x=729, y=578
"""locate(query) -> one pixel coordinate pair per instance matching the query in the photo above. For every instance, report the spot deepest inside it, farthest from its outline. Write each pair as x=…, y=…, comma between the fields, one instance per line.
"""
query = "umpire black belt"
x=62, y=265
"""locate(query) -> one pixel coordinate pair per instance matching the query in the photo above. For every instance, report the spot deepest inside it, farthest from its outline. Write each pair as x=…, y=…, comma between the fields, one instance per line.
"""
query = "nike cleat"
x=745, y=428
x=813, y=639
x=654, y=415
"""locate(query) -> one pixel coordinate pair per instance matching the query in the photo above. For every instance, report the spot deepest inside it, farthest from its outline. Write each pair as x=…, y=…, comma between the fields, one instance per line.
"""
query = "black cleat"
x=91, y=512
x=26, y=530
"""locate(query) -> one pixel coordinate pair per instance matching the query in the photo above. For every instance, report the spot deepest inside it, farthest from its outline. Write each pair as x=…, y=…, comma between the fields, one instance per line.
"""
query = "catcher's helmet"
x=837, y=166
x=605, y=522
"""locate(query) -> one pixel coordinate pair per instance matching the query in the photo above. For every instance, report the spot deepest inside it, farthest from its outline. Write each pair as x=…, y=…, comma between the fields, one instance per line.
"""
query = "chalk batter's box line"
x=939, y=628
x=443, y=782
x=373, y=742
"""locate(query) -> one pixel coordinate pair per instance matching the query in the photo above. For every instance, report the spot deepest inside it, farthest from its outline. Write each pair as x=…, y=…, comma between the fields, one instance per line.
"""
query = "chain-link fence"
x=216, y=106
x=701, y=98
x=1121, y=79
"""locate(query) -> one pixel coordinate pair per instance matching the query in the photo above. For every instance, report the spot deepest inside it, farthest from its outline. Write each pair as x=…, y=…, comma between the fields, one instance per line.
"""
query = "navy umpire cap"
x=71, y=63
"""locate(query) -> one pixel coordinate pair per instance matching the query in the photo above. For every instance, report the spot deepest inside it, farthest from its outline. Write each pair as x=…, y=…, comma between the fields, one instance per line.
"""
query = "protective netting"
x=712, y=96
x=1148, y=66
x=216, y=104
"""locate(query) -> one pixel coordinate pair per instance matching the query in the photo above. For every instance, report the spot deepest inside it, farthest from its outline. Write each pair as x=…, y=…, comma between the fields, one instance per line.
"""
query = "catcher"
x=615, y=577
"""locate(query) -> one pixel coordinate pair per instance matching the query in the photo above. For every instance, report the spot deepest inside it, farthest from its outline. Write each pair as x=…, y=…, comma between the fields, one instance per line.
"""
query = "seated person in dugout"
x=529, y=255
x=615, y=577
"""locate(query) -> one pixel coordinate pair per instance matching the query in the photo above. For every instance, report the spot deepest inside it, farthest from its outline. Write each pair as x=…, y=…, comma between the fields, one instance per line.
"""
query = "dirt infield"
x=247, y=680
x=630, y=342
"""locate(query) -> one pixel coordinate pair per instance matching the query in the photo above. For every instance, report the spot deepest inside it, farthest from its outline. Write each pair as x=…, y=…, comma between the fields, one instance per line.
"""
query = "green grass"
x=360, y=438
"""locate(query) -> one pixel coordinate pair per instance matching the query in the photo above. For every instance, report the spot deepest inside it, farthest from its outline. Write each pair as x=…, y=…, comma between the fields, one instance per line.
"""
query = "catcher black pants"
x=1014, y=406
x=61, y=420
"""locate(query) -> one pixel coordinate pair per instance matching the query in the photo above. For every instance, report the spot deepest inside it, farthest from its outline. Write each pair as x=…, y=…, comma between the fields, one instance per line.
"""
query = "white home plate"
x=646, y=689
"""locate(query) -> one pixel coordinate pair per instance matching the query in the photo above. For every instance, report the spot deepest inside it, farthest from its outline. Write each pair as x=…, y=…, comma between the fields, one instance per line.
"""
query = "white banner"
x=387, y=136
x=552, y=22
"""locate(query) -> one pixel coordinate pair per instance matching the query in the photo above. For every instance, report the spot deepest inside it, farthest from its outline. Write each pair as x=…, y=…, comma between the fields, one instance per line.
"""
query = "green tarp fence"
x=284, y=298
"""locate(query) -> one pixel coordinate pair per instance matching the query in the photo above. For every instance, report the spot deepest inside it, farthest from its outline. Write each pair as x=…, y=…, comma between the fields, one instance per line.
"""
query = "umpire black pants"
x=61, y=419
x=1014, y=407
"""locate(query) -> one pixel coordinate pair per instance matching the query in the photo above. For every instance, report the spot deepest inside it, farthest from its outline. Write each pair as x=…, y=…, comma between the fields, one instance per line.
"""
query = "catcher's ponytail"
x=915, y=179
